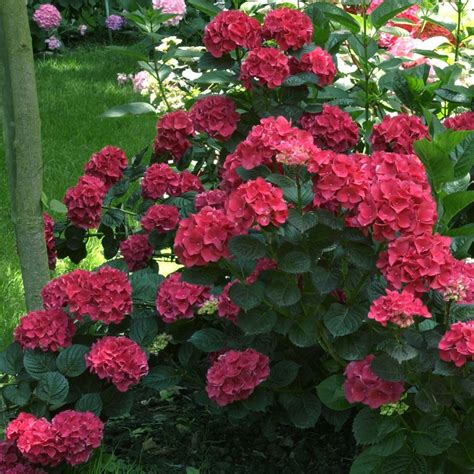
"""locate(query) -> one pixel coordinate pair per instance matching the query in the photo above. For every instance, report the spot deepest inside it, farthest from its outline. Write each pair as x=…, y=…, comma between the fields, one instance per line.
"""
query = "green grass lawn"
x=74, y=89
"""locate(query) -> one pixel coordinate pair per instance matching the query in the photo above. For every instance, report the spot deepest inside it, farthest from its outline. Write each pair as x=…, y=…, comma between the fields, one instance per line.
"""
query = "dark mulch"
x=168, y=436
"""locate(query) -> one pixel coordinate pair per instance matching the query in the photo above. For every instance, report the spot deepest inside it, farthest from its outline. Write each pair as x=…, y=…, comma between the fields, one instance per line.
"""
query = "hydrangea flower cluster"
x=53, y=43
x=229, y=30
x=457, y=344
x=174, y=7
x=114, y=22
x=47, y=330
x=160, y=218
x=464, y=121
x=70, y=437
x=397, y=308
x=172, y=132
x=47, y=17
x=225, y=307
x=398, y=133
x=104, y=295
x=119, y=360
x=136, y=251
x=49, y=238
x=216, y=116
x=363, y=386
x=107, y=164
x=177, y=299
x=319, y=62
x=214, y=198
x=332, y=129
x=202, y=237
x=12, y=462
x=235, y=375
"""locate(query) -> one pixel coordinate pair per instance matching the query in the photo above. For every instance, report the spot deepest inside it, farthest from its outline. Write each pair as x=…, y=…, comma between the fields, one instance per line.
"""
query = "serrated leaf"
x=162, y=378
x=258, y=401
x=205, y=276
x=433, y=436
x=387, y=10
x=331, y=393
x=283, y=373
x=89, y=402
x=246, y=247
x=280, y=289
x=455, y=203
x=208, y=340
x=18, y=394
x=341, y=320
x=404, y=463
x=11, y=359
x=369, y=426
x=387, y=368
x=324, y=280
x=295, y=261
x=39, y=363
x=398, y=350
x=257, y=321
x=71, y=361
x=52, y=388
x=246, y=297
x=300, y=79
x=303, y=409
x=145, y=284
x=143, y=327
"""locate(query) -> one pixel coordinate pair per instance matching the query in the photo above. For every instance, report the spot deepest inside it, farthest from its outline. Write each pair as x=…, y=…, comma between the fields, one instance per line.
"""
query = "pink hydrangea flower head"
x=79, y=434
x=460, y=287
x=84, y=202
x=61, y=291
x=119, y=360
x=175, y=7
x=268, y=66
x=216, y=116
x=19, y=425
x=229, y=179
x=176, y=299
x=331, y=129
x=464, y=121
x=108, y=165
x=363, y=386
x=235, y=375
x=290, y=28
x=257, y=202
x=418, y=263
x=52, y=43
x=136, y=251
x=225, y=307
x=12, y=462
x=398, y=133
x=229, y=30
x=114, y=22
x=397, y=308
x=318, y=62
x=297, y=150
x=39, y=444
x=457, y=343
x=214, y=198
x=186, y=182
x=203, y=237
x=140, y=81
x=47, y=330
x=157, y=181
x=49, y=238
x=47, y=16
x=172, y=133
x=161, y=218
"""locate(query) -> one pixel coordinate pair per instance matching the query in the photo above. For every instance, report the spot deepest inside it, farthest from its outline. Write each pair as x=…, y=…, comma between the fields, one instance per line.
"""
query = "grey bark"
x=22, y=137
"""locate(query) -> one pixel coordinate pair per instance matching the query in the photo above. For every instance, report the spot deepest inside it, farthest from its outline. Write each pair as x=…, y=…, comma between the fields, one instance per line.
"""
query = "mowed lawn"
x=74, y=89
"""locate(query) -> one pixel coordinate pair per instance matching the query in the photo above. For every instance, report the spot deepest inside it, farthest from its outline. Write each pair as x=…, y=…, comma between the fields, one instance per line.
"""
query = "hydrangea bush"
x=319, y=221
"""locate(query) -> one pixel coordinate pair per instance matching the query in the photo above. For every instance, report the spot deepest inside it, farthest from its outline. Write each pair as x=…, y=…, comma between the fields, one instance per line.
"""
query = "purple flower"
x=53, y=43
x=47, y=17
x=114, y=22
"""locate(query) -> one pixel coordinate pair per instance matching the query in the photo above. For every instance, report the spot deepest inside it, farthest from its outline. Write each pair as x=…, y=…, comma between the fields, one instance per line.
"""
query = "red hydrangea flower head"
x=235, y=375
x=158, y=179
x=297, y=150
x=230, y=29
x=426, y=29
x=267, y=65
x=12, y=462
x=106, y=297
x=457, y=344
x=39, y=444
x=225, y=307
x=216, y=116
x=172, y=133
x=60, y=291
x=107, y=164
x=19, y=425
x=464, y=121
x=331, y=129
x=397, y=308
x=363, y=386
x=418, y=263
x=460, y=287
x=177, y=299
x=136, y=251
x=257, y=202
x=161, y=218
x=340, y=182
x=290, y=28
x=318, y=62
x=186, y=182
x=47, y=330
x=84, y=202
x=203, y=237
x=228, y=173
x=118, y=360
x=49, y=237
x=398, y=133
x=214, y=198
x=79, y=434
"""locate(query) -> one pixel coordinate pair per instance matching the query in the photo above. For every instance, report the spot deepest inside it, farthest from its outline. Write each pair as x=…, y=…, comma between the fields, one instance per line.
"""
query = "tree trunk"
x=22, y=133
